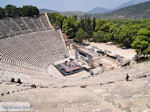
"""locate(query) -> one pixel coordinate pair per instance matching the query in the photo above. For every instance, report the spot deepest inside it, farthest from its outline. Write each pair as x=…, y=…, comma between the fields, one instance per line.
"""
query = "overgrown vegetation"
x=126, y=33
x=13, y=11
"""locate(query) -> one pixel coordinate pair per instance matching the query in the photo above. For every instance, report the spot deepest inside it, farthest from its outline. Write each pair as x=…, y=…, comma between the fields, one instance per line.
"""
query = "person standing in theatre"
x=127, y=77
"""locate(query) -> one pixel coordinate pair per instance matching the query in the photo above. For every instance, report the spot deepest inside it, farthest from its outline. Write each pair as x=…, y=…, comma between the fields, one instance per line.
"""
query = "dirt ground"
x=127, y=53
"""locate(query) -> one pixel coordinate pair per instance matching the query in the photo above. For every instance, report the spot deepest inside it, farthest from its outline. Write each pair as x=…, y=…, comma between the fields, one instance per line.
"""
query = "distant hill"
x=131, y=2
x=137, y=11
x=66, y=13
x=99, y=10
x=71, y=13
x=46, y=10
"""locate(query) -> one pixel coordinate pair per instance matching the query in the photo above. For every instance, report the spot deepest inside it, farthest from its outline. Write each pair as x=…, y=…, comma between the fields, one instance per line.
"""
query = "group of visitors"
x=18, y=81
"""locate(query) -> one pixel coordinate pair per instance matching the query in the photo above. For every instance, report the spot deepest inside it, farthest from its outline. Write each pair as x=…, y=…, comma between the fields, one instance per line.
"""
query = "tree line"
x=125, y=33
x=13, y=11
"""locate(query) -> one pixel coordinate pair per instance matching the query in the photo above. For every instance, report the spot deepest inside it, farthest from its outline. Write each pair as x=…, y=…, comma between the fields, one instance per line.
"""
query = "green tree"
x=124, y=36
x=105, y=27
x=98, y=36
x=144, y=31
x=30, y=11
x=19, y=11
x=77, y=24
x=69, y=26
x=82, y=24
x=11, y=11
x=142, y=42
x=94, y=24
x=88, y=27
x=99, y=23
x=2, y=13
x=141, y=45
x=80, y=35
x=56, y=19
x=59, y=20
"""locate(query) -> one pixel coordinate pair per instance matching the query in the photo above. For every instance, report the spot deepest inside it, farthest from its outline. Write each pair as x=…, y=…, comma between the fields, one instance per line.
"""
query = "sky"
x=66, y=5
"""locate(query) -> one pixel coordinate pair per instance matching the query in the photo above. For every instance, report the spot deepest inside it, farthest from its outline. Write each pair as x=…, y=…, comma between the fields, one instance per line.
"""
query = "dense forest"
x=125, y=33
x=13, y=11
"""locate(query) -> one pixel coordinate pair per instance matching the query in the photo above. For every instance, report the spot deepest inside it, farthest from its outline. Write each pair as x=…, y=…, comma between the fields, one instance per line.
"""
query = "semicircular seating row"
x=21, y=25
x=35, y=47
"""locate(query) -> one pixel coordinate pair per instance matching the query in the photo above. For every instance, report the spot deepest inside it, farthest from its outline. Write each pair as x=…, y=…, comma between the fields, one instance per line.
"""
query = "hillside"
x=99, y=10
x=66, y=13
x=137, y=11
x=71, y=13
x=131, y=2
x=46, y=10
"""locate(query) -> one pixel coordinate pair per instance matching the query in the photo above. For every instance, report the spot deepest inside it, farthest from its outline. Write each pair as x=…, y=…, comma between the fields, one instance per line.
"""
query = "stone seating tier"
x=10, y=27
